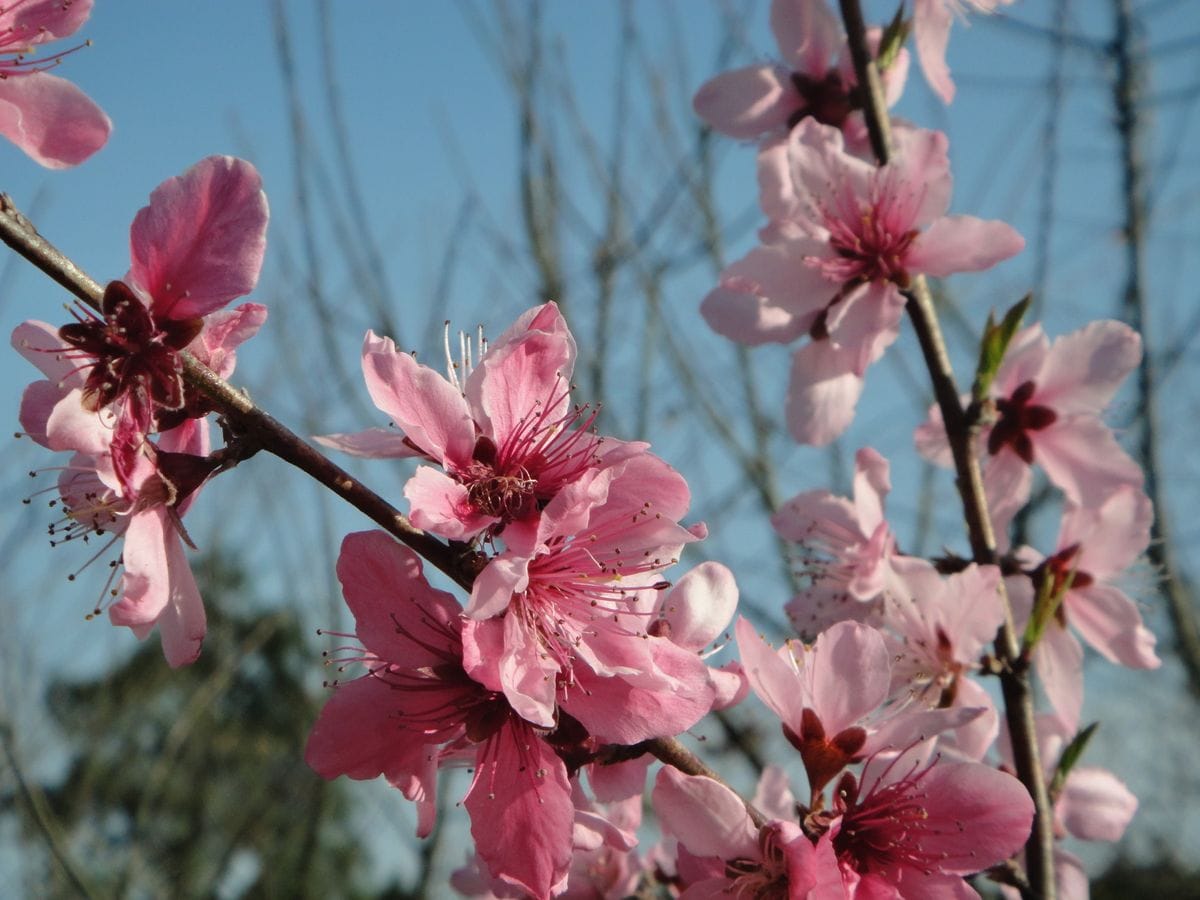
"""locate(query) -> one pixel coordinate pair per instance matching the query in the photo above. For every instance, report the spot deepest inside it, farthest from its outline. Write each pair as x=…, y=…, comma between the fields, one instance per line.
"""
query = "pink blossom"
x=941, y=627
x=198, y=245
x=1092, y=804
x=846, y=546
x=733, y=857
x=1049, y=398
x=816, y=78
x=845, y=240
x=563, y=617
x=830, y=697
x=503, y=428
x=1095, y=547
x=913, y=831
x=416, y=706
x=156, y=586
x=931, y=33
x=49, y=118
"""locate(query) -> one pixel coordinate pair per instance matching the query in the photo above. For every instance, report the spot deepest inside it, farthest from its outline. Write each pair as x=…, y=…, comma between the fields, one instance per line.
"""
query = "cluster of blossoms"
x=114, y=395
x=570, y=640
x=573, y=651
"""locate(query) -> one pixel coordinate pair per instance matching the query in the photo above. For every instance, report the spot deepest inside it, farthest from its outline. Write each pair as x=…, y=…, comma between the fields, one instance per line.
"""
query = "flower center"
x=883, y=828
x=131, y=358
x=869, y=247
x=829, y=100
x=1018, y=417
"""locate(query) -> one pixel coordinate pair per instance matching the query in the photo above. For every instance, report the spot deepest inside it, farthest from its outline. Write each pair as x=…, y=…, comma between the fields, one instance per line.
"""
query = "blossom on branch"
x=416, y=708
x=198, y=245
x=566, y=616
x=49, y=118
x=815, y=79
x=150, y=582
x=1049, y=398
x=502, y=428
x=844, y=242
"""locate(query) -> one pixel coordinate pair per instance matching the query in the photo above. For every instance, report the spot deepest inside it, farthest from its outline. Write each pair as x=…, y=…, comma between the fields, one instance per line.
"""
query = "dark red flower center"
x=829, y=100
x=884, y=827
x=1018, y=417
x=131, y=357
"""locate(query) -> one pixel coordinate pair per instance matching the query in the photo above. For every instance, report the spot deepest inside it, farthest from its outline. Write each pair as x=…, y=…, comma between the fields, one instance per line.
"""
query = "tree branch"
x=961, y=431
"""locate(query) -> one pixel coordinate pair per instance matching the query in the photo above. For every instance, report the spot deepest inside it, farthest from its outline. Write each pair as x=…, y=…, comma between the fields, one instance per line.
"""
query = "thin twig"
x=42, y=816
x=961, y=432
x=1130, y=127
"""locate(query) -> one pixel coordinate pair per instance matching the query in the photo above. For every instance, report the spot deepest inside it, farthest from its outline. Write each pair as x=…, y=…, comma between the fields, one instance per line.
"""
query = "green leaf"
x=994, y=344
x=893, y=39
x=1070, y=756
x=1050, y=593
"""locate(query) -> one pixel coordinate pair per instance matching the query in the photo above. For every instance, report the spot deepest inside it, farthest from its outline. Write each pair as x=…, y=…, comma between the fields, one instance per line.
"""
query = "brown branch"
x=673, y=753
x=252, y=425
x=961, y=431
x=260, y=430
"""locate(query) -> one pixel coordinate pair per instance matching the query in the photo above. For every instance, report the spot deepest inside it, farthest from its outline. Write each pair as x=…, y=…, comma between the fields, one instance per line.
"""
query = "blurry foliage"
x=192, y=783
x=1163, y=880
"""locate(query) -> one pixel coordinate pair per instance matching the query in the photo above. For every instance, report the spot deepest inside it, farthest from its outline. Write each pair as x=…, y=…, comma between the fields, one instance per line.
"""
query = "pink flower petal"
x=1007, y=482
x=182, y=624
x=72, y=427
x=1111, y=536
x=849, y=669
x=872, y=483
x=922, y=180
x=523, y=380
x=370, y=566
x=1110, y=622
x=748, y=102
x=353, y=737
x=1084, y=368
x=40, y=21
x=865, y=322
x=774, y=680
x=818, y=513
x=1095, y=805
x=700, y=605
x=704, y=815
x=200, y=243
x=808, y=34
x=37, y=403
x=51, y=119
x=616, y=710
x=373, y=443
x=822, y=393
x=773, y=797
x=769, y=295
x=521, y=811
x=962, y=244
x=1081, y=456
x=40, y=344
x=931, y=27
x=225, y=331
x=1058, y=659
x=993, y=805
x=441, y=505
x=424, y=405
